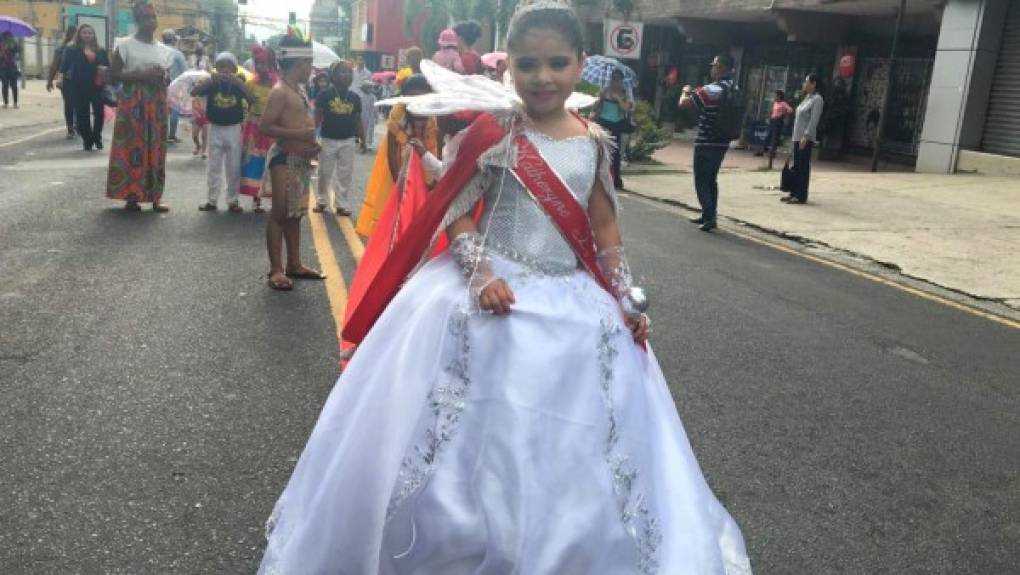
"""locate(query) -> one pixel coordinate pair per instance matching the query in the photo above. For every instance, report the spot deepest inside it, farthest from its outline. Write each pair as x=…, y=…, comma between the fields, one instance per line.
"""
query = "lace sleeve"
x=468, y=251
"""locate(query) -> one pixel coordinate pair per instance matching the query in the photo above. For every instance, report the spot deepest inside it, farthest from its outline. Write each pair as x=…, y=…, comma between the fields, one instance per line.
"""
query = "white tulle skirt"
x=543, y=442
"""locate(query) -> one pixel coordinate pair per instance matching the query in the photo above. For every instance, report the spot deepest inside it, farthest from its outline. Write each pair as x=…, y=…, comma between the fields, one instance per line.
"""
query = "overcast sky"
x=267, y=17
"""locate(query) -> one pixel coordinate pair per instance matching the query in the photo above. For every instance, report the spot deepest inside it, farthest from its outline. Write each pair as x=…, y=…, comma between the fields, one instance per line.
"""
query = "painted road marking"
x=354, y=242
x=336, y=291
x=862, y=274
x=32, y=137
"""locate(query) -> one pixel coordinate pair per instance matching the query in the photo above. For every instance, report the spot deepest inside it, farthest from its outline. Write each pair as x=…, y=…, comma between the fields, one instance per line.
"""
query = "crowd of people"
x=493, y=242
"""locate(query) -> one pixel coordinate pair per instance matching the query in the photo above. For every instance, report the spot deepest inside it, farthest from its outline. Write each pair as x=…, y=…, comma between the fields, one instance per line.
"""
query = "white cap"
x=226, y=57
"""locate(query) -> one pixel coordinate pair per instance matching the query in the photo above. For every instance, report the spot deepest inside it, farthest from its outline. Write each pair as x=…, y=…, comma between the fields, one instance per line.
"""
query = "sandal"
x=207, y=207
x=281, y=284
x=306, y=274
x=235, y=209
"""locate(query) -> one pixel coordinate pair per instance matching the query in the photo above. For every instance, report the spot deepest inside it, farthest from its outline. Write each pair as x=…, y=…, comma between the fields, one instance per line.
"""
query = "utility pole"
x=888, y=87
x=111, y=24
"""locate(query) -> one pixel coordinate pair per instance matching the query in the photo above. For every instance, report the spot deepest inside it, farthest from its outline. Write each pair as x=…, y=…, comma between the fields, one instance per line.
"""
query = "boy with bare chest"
x=287, y=119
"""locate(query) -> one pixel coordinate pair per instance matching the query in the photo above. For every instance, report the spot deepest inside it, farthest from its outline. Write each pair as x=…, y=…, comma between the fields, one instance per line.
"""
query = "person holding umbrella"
x=612, y=112
x=9, y=72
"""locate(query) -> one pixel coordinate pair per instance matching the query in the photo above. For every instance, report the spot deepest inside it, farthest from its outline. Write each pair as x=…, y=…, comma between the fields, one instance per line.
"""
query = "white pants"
x=336, y=165
x=224, y=154
x=368, y=122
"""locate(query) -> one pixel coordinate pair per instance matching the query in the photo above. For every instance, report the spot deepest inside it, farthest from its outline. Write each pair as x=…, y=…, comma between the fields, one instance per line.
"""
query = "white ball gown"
x=542, y=442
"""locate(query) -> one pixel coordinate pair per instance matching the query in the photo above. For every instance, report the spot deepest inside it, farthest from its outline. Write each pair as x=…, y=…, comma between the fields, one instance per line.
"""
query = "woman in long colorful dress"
x=256, y=145
x=392, y=154
x=137, y=172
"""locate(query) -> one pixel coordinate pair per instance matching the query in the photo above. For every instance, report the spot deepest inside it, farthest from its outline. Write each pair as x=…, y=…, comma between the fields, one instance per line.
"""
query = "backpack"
x=730, y=121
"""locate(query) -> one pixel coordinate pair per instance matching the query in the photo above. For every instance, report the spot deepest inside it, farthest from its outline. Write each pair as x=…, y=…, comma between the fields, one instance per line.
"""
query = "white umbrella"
x=179, y=91
x=322, y=56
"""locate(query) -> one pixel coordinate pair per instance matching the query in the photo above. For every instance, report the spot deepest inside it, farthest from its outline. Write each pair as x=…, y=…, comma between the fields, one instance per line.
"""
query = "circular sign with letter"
x=625, y=38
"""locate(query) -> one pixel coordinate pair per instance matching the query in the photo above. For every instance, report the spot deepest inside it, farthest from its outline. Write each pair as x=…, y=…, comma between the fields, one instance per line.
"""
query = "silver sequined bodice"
x=518, y=228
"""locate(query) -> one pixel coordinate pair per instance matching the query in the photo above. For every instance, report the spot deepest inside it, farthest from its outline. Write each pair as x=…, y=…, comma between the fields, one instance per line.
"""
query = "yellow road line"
x=336, y=291
x=862, y=274
x=353, y=240
x=881, y=280
x=32, y=137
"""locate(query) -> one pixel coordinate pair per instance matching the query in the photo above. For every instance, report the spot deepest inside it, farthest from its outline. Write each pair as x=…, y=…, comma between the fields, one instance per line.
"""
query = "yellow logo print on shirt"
x=340, y=106
x=224, y=101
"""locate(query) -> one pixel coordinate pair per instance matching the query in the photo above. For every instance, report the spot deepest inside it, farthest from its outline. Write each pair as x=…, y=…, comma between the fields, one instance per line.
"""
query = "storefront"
x=1002, y=123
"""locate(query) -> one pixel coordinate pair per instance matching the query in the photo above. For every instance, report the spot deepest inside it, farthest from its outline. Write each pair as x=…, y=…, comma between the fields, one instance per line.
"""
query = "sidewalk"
x=40, y=110
x=960, y=232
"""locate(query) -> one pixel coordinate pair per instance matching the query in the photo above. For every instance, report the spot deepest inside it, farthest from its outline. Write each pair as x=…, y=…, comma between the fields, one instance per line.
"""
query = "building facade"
x=217, y=19
x=953, y=90
x=378, y=33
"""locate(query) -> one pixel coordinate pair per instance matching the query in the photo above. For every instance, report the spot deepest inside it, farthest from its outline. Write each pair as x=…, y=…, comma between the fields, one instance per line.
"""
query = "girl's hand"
x=497, y=297
x=640, y=327
x=417, y=145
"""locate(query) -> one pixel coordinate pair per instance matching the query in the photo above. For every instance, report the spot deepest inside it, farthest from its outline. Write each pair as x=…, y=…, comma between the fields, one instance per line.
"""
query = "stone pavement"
x=960, y=232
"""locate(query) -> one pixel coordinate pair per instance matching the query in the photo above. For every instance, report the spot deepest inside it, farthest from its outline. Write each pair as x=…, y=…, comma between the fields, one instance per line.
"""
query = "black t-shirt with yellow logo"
x=341, y=113
x=224, y=104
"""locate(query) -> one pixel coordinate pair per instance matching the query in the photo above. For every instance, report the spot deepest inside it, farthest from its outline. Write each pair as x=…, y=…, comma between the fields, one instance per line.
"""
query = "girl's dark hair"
x=469, y=30
x=816, y=80
x=561, y=20
x=415, y=85
x=780, y=95
x=70, y=33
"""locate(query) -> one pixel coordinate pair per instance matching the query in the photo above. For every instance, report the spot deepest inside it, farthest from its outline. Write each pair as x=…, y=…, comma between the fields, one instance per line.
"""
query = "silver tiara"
x=525, y=6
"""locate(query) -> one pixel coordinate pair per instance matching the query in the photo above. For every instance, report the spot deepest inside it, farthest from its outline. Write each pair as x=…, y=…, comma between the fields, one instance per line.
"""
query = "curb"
x=812, y=243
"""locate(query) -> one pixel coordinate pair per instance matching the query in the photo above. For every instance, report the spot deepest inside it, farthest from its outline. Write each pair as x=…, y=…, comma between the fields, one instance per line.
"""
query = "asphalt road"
x=155, y=395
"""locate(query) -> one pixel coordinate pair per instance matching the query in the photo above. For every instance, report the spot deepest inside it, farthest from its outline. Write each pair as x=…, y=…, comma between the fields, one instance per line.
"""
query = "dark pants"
x=9, y=84
x=801, y=170
x=615, y=130
x=68, y=95
x=175, y=119
x=88, y=109
x=707, y=161
x=775, y=135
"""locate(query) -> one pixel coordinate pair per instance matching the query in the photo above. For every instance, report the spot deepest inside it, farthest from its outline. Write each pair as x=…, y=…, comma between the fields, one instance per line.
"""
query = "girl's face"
x=545, y=68
x=87, y=34
x=809, y=86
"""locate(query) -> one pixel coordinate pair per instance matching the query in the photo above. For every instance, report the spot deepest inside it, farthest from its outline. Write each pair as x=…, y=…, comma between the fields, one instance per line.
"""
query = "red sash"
x=484, y=133
x=546, y=187
x=542, y=183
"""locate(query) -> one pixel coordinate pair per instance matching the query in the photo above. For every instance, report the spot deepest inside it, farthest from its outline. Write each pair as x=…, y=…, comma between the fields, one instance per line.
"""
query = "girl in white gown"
x=502, y=416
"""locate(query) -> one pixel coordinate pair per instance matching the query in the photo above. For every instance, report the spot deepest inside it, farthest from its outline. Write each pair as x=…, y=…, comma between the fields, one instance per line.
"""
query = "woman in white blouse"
x=805, y=136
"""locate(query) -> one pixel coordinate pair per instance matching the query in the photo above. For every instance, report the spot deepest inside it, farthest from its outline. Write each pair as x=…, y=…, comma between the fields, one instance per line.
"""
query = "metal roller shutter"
x=1002, y=126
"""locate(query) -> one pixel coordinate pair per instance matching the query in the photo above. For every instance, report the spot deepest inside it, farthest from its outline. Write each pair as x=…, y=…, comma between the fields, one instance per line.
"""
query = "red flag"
x=401, y=208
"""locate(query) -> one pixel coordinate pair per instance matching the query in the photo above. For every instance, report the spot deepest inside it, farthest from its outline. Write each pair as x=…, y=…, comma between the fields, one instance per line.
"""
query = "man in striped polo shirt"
x=709, y=147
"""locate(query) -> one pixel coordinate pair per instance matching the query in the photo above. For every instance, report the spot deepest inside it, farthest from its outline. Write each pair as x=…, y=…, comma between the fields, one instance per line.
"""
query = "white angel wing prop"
x=453, y=92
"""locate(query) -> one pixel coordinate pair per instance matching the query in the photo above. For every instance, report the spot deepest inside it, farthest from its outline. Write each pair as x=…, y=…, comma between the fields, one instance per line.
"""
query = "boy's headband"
x=294, y=52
